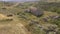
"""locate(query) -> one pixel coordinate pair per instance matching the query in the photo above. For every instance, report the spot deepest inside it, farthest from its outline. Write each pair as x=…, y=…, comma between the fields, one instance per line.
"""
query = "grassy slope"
x=9, y=26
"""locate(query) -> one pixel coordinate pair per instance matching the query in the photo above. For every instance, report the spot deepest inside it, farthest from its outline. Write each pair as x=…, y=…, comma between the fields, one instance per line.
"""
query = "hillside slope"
x=19, y=18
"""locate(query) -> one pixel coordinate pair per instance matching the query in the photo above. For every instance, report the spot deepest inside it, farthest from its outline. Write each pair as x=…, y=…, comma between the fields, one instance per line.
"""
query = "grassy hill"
x=16, y=21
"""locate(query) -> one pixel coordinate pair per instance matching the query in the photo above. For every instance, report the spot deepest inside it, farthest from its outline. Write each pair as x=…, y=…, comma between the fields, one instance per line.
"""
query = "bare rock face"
x=35, y=11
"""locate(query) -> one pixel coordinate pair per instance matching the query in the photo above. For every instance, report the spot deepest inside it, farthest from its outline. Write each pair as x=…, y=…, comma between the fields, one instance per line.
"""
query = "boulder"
x=35, y=11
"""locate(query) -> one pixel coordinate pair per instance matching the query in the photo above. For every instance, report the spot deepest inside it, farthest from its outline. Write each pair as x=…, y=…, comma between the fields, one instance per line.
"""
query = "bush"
x=56, y=10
